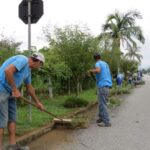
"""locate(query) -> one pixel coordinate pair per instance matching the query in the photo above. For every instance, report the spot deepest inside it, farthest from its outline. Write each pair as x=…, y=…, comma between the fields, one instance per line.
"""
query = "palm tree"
x=134, y=53
x=122, y=30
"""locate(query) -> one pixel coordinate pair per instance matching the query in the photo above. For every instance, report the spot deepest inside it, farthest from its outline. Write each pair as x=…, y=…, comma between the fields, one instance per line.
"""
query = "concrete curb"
x=27, y=138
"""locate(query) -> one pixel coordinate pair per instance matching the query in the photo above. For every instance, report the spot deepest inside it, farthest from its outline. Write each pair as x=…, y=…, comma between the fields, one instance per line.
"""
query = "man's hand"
x=16, y=93
x=40, y=105
x=90, y=71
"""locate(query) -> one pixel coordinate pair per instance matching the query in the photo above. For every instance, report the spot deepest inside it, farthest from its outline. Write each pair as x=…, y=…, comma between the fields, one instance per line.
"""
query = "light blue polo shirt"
x=103, y=79
x=23, y=73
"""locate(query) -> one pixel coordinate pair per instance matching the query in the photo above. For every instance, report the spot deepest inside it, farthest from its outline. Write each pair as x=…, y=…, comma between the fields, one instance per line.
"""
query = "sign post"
x=30, y=12
x=29, y=47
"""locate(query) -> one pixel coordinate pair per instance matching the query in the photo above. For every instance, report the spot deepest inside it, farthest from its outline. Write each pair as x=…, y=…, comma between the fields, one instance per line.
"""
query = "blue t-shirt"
x=103, y=78
x=119, y=79
x=23, y=73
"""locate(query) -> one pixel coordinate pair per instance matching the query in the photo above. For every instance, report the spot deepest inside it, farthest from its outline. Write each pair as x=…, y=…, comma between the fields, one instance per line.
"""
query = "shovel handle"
x=29, y=102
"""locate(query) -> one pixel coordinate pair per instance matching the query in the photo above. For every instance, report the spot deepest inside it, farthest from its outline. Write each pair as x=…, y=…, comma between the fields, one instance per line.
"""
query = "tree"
x=128, y=66
x=122, y=30
x=8, y=47
x=75, y=48
x=134, y=53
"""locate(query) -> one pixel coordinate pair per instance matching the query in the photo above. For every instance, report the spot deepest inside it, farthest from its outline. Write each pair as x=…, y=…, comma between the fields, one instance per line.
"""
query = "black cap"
x=97, y=56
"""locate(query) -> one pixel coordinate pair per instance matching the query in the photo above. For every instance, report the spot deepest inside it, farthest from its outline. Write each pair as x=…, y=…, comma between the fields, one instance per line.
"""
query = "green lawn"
x=55, y=106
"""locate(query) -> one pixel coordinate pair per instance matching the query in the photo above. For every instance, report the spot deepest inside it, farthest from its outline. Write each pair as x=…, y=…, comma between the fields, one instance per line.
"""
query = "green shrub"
x=73, y=102
x=125, y=90
x=120, y=90
x=140, y=82
x=114, y=101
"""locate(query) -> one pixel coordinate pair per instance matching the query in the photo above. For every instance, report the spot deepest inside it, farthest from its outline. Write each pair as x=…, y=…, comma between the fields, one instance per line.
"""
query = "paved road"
x=130, y=128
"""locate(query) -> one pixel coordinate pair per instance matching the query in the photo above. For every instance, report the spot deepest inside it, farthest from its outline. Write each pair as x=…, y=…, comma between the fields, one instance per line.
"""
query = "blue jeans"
x=7, y=108
x=103, y=93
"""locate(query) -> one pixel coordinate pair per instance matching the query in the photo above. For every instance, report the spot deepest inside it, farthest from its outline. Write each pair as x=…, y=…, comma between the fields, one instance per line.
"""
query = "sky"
x=91, y=13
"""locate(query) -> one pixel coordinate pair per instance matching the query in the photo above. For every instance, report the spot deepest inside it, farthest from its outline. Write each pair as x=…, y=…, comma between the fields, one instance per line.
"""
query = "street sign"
x=36, y=10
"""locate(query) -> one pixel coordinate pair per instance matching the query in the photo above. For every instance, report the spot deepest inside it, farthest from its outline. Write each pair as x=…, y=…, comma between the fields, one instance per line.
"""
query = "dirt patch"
x=63, y=134
x=51, y=140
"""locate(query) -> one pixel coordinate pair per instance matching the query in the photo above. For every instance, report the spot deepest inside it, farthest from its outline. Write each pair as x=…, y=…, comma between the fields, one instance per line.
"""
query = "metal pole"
x=29, y=25
x=29, y=47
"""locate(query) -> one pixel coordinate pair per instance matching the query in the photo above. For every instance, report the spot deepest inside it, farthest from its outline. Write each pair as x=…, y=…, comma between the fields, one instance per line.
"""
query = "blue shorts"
x=7, y=108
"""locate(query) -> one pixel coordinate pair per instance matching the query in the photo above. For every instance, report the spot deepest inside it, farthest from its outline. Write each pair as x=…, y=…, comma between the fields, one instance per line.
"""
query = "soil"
x=63, y=133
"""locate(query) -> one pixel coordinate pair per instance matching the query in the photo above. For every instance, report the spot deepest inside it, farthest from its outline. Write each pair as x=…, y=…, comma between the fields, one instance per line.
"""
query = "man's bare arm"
x=31, y=92
x=95, y=70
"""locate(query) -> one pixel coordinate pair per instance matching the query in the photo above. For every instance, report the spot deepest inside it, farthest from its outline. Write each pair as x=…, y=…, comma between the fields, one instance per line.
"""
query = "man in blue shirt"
x=13, y=72
x=119, y=80
x=103, y=82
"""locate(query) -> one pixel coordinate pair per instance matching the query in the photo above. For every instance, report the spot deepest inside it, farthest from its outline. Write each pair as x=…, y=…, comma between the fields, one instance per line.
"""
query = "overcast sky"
x=63, y=12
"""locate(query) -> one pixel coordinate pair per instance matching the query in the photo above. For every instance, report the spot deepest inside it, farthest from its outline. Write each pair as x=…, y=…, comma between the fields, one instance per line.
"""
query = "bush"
x=122, y=90
x=114, y=101
x=140, y=82
x=73, y=102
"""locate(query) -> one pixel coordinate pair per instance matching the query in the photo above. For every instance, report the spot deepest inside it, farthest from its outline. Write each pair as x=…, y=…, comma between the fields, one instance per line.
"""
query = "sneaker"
x=102, y=124
x=99, y=120
x=16, y=147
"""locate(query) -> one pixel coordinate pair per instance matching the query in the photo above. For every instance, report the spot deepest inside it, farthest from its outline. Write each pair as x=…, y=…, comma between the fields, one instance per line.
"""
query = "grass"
x=56, y=106
x=73, y=102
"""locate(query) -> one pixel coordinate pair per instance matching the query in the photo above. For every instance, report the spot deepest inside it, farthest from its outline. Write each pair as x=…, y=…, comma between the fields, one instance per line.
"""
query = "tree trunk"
x=116, y=54
x=22, y=91
x=78, y=87
x=69, y=91
x=50, y=90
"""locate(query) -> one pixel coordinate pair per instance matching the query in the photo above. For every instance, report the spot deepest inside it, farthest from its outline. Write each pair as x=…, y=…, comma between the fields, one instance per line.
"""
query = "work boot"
x=99, y=120
x=17, y=147
x=102, y=124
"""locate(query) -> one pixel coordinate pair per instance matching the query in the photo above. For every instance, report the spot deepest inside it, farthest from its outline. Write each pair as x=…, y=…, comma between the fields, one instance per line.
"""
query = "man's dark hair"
x=97, y=56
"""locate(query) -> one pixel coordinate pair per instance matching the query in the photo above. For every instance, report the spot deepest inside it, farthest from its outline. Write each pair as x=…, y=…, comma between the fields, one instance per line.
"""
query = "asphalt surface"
x=130, y=128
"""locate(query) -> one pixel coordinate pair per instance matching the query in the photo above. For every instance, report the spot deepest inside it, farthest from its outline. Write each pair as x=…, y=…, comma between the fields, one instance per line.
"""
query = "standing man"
x=13, y=72
x=103, y=82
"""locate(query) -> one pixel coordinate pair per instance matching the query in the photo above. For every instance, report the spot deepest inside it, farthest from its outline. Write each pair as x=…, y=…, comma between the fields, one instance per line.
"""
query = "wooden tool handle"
x=33, y=104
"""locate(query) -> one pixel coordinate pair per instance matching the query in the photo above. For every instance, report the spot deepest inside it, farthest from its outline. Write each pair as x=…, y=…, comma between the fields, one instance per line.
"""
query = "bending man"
x=13, y=72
